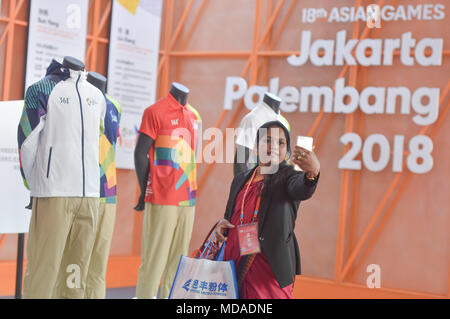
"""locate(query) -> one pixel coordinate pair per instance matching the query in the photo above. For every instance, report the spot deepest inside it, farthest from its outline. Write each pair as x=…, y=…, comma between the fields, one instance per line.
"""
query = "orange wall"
x=217, y=39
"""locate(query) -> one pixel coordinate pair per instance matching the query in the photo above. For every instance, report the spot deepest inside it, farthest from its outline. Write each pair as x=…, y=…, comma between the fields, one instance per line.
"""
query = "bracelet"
x=311, y=179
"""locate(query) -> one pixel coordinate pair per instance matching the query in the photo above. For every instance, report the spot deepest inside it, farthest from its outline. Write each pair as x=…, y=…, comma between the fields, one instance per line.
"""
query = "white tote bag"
x=205, y=279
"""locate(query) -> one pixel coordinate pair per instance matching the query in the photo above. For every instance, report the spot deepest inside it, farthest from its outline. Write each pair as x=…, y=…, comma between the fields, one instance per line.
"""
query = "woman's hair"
x=279, y=177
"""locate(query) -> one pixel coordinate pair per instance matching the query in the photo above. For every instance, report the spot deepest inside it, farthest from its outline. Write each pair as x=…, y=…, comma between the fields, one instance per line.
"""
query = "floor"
x=113, y=293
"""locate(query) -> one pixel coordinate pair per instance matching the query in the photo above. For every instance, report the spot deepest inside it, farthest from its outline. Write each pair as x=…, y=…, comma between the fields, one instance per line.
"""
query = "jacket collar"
x=264, y=106
x=59, y=71
x=56, y=69
x=265, y=200
x=174, y=103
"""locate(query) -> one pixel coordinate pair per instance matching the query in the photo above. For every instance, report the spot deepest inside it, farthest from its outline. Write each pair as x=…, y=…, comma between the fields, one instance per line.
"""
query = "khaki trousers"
x=60, y=227
x=95, y=282
x=166, y=235
x=96, y=285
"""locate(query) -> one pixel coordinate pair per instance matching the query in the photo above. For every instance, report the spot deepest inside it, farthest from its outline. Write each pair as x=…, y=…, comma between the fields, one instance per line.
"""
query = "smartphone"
x=307, y=143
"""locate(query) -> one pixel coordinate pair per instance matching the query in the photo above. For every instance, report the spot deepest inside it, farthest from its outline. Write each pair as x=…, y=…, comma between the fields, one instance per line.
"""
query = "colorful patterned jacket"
x=107, y=155
x=58, y=135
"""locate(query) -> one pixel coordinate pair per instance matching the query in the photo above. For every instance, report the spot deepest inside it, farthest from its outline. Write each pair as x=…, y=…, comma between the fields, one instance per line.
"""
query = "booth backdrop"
x=360, y=223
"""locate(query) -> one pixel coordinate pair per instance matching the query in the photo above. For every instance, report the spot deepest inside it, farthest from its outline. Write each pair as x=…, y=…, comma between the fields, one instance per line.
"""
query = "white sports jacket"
x=58, y=135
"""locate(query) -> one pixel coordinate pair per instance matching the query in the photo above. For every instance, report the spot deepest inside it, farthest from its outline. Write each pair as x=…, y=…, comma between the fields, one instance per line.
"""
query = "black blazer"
x=280, y=200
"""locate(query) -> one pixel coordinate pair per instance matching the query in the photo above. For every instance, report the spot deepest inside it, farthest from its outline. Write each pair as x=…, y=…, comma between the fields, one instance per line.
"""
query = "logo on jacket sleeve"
x=113, y=117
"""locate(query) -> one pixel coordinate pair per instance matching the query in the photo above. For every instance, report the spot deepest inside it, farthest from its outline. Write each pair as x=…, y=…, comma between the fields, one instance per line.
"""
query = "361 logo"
x=64, y=100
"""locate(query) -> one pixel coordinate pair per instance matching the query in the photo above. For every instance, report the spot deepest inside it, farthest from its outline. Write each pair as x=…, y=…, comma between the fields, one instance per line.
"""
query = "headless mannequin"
x=179, y=92
x=97, y=80
x=73, y=64
x=145, y=142
x=274, y=102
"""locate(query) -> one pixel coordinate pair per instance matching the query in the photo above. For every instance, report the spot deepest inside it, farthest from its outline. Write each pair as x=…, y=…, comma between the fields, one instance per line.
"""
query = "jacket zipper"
x=82, y=136
x=49, y=160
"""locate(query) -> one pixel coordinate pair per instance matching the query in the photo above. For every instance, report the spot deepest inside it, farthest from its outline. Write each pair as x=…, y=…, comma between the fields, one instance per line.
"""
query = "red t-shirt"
x=173, y=172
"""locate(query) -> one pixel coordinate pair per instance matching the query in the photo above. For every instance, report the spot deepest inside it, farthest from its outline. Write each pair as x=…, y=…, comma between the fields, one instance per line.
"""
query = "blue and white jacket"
x=58, y=135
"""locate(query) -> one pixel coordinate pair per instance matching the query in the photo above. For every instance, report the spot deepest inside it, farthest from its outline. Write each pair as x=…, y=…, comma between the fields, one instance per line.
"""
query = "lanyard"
x=258, y=201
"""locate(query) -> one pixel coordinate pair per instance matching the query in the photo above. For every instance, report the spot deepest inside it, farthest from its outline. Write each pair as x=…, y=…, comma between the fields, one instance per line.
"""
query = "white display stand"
x=14, y=218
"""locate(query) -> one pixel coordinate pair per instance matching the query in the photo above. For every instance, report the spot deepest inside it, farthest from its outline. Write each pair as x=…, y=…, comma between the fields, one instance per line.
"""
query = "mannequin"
x=97, y=80
x=144, y=143
x=168, y=188
x=273, y=102
x=58, y=238
x=73, y=64
x=96, y=283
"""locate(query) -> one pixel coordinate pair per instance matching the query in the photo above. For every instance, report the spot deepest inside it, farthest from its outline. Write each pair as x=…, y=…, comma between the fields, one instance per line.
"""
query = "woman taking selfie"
x=260, y=215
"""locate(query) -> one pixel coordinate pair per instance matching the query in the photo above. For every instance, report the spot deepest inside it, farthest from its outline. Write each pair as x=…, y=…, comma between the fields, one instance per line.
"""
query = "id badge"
x=248, y=239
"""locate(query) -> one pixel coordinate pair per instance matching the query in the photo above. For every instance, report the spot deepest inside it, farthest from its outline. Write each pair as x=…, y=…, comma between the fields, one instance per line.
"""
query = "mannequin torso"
x=145, y=142
x=73, y=64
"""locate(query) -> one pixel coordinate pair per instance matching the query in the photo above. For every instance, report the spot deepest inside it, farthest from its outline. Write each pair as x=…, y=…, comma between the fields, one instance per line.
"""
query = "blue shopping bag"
x=201, y=278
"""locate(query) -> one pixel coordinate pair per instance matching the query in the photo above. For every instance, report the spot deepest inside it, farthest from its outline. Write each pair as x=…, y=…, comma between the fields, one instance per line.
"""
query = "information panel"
x=133, y=67
x=56, y=29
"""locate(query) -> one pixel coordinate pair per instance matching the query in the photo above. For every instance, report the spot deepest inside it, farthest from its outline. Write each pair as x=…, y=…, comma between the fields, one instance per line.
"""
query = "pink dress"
x=259, y=282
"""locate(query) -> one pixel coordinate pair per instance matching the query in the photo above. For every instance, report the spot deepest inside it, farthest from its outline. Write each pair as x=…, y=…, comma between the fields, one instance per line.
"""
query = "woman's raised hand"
x=306, y=160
